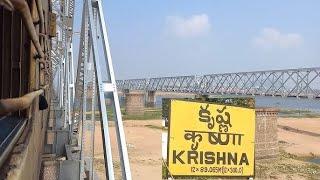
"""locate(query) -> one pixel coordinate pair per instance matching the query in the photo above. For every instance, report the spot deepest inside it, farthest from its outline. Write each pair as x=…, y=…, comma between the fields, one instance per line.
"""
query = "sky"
x=155, y=38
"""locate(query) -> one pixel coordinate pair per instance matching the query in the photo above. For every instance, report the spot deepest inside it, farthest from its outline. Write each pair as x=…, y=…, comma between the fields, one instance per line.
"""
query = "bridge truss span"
x=301, y=83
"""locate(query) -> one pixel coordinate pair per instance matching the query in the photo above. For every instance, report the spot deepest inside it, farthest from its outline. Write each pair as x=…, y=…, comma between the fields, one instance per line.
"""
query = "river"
x=278, y=102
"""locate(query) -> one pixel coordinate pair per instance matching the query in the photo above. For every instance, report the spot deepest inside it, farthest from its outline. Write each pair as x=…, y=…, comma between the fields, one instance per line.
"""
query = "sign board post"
x=207, y=139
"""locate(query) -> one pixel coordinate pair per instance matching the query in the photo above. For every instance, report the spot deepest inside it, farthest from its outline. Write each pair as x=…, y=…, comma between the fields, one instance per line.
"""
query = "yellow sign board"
x=208, y=139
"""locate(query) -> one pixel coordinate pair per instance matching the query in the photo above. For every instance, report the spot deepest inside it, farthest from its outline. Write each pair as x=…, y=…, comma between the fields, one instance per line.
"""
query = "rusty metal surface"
x=14, y=55
x=6, y=54
x=52, y=25
x=1, y=48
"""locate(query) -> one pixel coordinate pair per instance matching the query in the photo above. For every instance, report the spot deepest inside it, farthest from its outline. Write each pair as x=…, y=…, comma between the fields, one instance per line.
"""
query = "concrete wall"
x=266, y=138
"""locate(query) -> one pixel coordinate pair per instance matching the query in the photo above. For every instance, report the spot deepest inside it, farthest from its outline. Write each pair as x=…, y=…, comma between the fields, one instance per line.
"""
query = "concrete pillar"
x=134, y=104
x=151, y=98
x=266, y=138
x=202, y=97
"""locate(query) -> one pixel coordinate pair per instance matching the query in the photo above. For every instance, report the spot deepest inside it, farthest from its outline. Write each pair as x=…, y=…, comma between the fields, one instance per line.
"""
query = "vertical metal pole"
x=124, y=159
x=66, y=88
x=72, y=74
x=70, y=83
x=84, y=118
x=106, y=136
x=93, y=103
x=86, y=57
x=78, y=86
x=61, y=84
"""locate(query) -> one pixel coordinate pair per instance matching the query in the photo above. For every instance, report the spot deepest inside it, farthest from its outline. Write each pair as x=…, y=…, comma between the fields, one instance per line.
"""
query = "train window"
x=14, y=55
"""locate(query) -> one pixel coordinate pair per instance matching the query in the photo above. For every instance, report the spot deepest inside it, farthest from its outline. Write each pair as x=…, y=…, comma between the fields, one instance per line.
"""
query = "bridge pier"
x=150, y=98
x=134, y=103
x=266, y=138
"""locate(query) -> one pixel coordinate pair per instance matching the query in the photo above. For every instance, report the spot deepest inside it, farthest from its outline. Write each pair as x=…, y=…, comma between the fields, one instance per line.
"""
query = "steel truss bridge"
x=301, y=83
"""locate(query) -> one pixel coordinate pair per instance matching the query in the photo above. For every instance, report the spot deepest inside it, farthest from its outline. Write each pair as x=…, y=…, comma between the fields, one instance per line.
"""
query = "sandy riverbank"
x=302, y=138
x=144, y=147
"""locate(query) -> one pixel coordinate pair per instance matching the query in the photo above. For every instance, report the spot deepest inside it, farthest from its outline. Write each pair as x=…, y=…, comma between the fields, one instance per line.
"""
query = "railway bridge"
x=299, y=83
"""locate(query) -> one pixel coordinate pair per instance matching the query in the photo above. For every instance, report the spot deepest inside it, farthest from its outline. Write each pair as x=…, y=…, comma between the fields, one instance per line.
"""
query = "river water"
x=277, y=102
x=315, y=160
